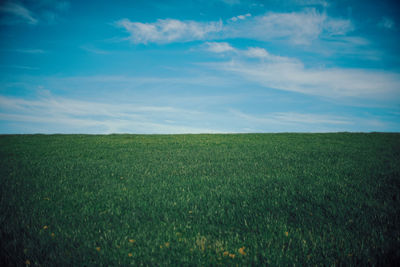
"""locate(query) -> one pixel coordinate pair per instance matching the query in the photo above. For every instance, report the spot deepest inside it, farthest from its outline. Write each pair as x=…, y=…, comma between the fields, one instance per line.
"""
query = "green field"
x=246, y=199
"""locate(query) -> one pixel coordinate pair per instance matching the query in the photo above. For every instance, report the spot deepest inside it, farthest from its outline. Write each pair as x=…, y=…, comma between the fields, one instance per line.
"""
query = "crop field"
x=240, y=199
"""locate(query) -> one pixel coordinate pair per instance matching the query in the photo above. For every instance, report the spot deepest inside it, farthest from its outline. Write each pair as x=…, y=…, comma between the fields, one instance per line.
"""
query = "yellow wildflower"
x=130, y=254
x=98, y=248
x=241, y=251
x=52, y=234
x=45, y=227
x=286, y=233
x=226, y=253
x=232, y=256
x=28, y=262
x=167, y=244
x=131, y=240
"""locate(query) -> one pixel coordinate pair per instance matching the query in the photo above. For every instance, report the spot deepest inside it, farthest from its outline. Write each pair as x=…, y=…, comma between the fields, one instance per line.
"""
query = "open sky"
x=199, y=66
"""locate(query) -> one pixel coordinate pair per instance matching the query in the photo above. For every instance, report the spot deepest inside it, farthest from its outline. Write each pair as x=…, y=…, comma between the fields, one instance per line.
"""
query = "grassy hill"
x=276, y=199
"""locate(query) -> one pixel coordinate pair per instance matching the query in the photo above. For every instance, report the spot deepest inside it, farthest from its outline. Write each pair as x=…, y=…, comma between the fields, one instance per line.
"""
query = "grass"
x=249, y=199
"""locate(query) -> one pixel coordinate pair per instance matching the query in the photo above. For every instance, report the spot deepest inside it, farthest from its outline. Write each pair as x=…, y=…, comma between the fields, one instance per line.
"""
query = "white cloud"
x=219, y=47
x=251, y=52
x=169, y=30
x=291, y=75
x=65, y=124
x=257, y=52
x=78, y=108
x=296, y=27
x=386, y=23
x=52, y=115
x=240, y=17
x=19, y=11
x=62, y=115
x=337, y=26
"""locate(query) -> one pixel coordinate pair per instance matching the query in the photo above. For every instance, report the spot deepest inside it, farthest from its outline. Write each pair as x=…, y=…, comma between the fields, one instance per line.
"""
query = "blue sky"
x=197, y=66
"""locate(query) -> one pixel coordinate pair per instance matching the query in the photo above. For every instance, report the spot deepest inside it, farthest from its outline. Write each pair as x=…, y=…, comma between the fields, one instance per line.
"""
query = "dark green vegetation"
x=277, y=199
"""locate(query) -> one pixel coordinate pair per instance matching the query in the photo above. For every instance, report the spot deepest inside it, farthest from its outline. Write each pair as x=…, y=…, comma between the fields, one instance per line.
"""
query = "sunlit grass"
x=278, y=199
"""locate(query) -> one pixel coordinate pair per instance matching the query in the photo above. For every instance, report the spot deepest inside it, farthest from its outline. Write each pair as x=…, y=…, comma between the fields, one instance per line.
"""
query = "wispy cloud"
x=250, y=52
x=19, y=13
x=54, y=114
x=329, y=82
x=22, y=67
x=240, y=17
x=290, y=74
x=386, y=23
x=322, y=3
x=94, y=50
x=62, y=5
x=168, y=30
x=146, y=81
x=297, y=27
x=29, y=51
x=257, y=52
x=32, y=12
x=65, y=124
x=292, y=118
x=231, y=2
x=78, y=108
x=92, y=117
x=306, y=122
x=219, y=47
x=50, y=11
